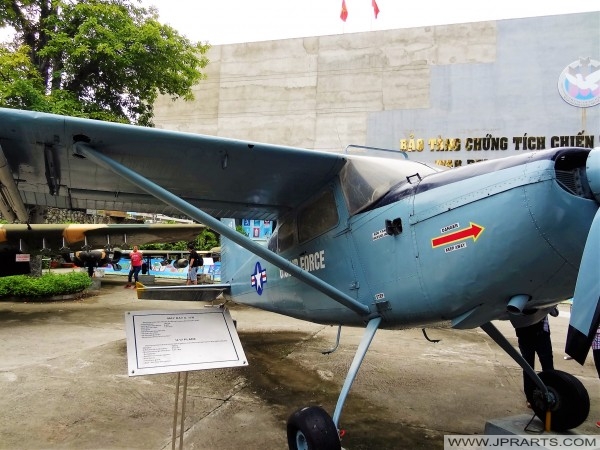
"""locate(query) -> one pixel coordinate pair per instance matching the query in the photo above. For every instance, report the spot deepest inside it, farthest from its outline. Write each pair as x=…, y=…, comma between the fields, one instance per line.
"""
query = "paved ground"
x=64, y=383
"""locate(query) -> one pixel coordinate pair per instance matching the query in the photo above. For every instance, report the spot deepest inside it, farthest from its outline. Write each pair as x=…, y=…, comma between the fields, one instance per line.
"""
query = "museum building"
x=450, y=94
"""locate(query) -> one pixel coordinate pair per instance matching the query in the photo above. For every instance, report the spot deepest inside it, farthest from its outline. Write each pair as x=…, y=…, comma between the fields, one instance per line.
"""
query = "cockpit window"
x=366, y=179
x=318, y=217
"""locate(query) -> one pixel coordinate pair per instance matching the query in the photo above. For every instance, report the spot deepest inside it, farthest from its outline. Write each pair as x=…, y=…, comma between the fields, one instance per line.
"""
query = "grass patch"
x=48, y=285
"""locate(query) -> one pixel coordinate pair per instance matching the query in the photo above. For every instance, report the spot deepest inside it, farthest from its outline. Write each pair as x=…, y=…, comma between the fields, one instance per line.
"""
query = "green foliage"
x=21, y=85
x=206, y=240
x=48, y=285
x=181, y=245
x=103, y=59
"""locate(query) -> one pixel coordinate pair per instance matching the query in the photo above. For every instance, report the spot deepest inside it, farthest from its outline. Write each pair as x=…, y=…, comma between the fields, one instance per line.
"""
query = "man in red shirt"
x=137, y=259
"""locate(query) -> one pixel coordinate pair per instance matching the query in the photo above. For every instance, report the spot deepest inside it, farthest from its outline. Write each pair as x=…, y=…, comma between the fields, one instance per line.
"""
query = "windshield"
x=366, y=179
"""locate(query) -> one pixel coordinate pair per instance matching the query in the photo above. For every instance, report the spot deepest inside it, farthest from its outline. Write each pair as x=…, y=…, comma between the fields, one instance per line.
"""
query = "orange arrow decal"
x=472, y=231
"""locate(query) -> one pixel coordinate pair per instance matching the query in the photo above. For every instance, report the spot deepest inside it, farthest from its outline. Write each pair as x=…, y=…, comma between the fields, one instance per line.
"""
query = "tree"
x=103, y=59
x=205, y=241
x=21, y=85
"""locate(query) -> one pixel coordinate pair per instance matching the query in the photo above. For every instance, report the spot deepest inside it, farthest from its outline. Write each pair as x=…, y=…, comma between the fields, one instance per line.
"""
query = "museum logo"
x=579, y=83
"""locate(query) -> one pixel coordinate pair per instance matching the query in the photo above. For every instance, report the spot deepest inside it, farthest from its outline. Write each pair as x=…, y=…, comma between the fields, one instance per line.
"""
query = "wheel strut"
x=356, y=362
x=546, y=398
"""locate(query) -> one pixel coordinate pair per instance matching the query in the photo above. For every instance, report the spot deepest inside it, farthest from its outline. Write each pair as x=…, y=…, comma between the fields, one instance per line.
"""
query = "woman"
x=137, y=259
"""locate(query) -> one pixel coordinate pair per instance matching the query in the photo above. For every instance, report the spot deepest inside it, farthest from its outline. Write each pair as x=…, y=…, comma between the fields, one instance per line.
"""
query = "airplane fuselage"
x=417, y=255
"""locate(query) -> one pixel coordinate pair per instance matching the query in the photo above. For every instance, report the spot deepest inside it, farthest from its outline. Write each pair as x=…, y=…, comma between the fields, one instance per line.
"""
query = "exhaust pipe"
x=516, y=305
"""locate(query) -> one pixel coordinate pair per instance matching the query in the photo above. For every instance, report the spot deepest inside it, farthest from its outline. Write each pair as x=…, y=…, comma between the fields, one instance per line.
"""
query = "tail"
x=228, y=253
x=233, y=256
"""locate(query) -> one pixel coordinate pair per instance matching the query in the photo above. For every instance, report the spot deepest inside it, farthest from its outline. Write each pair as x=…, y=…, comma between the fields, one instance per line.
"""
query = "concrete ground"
x=64, y=382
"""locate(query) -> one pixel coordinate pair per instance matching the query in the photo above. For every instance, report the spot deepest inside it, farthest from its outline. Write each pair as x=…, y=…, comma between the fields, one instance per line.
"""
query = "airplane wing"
x=64, y=238
x=69, y=162
x=224, y=177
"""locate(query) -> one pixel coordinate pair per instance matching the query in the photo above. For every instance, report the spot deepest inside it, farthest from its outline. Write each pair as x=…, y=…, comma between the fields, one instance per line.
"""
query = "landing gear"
x=311, y=428
x=558, y=392
x=570, y=402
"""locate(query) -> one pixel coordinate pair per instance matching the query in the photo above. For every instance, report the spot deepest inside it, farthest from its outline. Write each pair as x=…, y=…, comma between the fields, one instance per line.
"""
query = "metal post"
x=176, y=412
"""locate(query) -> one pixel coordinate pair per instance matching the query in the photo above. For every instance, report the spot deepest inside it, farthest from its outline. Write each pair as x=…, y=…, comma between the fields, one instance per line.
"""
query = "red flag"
x=344, y=13
x=375, y=7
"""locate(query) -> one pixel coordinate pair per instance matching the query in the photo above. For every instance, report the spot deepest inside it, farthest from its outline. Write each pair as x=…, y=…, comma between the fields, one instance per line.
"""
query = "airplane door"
x=325, y=248
x=390, y=262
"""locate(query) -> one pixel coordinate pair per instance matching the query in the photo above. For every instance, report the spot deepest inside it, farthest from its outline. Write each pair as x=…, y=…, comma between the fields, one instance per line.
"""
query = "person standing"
x=534, y=339
x=137, y=259
x=195, y=261
x=596, y=352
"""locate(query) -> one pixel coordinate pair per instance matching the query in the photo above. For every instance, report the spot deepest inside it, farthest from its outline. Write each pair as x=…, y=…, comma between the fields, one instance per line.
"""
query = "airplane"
x=363, y=238
x=85, y=245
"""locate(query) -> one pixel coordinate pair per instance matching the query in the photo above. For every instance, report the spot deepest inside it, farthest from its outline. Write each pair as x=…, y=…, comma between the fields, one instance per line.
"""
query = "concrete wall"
x=386, y=88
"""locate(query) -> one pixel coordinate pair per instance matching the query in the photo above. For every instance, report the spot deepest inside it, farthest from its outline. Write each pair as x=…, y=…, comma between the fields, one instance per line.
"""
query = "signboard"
x=181, y=340
x=23, y=257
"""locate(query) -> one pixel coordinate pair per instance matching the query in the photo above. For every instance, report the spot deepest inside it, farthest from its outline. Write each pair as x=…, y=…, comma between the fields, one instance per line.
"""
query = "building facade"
x=449, y=94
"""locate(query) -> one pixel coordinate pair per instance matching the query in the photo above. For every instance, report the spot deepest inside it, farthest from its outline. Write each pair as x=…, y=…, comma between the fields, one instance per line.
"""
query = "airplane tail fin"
x=585, y=314
x=234, y=256
x=228, y=255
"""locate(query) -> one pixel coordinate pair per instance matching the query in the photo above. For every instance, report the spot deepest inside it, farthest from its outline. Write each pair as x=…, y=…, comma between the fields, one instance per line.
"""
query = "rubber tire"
x=311, y=428
x=572, y=400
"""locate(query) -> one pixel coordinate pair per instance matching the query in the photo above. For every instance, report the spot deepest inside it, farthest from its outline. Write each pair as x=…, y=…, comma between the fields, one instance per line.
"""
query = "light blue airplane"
x=372, y=241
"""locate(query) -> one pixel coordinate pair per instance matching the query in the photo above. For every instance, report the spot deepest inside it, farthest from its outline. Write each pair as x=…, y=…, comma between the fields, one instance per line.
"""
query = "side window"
x=272, y=242
x=318, y=217
x=285, y=235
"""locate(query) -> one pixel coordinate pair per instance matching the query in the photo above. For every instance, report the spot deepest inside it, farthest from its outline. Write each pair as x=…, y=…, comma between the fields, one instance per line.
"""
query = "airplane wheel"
x=572, y=402
x=311, y=428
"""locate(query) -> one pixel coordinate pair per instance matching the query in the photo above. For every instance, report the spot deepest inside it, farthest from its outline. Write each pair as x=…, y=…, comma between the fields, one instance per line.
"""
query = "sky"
x=235, y=21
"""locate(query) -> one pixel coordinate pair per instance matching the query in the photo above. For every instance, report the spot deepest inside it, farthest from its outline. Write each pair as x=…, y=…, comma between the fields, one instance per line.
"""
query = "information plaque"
x=179, y=341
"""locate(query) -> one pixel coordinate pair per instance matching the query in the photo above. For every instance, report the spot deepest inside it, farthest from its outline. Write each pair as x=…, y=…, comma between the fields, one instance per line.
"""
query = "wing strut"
x=82, y=149
x=361, y=351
